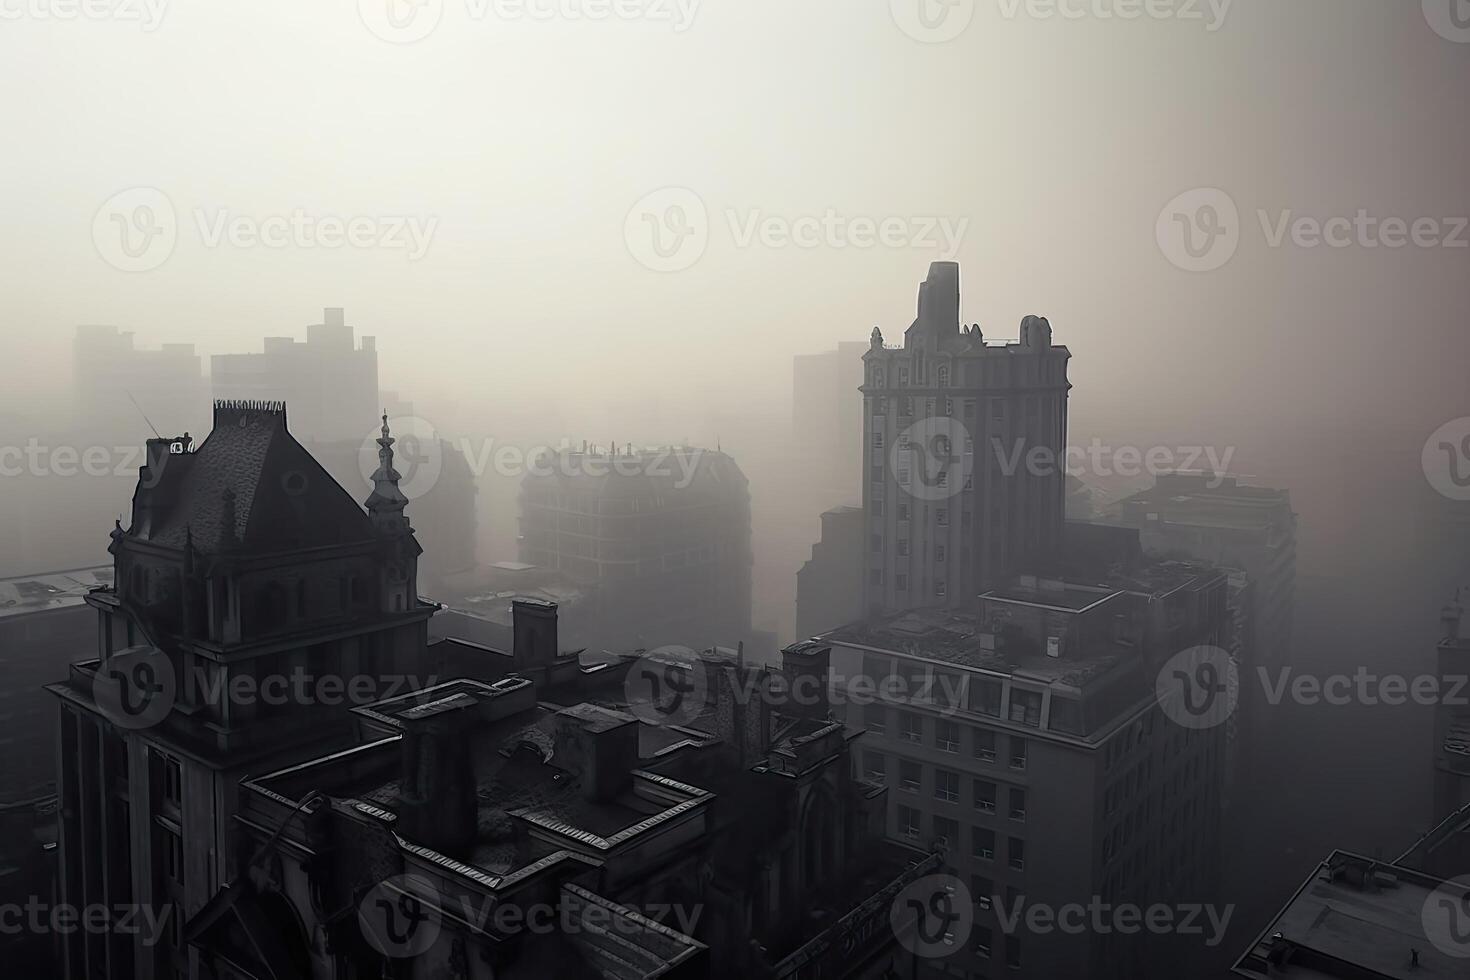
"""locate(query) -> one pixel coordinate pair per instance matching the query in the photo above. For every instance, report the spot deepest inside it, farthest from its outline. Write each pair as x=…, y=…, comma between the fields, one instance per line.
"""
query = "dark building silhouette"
x=829, y=586
x=243, y=563
x=963, y=454
x=661, y=539
x=1451, y=714
x=736, y=845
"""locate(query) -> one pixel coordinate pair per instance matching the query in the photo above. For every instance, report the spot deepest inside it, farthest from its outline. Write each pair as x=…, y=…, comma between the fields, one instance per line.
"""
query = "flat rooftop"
x=50, y=590
x=1345, y=922
x=955, y=636
x=518, y=772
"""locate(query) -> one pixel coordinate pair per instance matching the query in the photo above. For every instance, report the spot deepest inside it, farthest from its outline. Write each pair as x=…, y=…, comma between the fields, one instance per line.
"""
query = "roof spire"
x=386, y=500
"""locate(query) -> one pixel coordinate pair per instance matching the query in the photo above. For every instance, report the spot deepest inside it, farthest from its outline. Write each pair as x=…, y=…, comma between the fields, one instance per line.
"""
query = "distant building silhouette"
x=661, y=538
x=1451, y=715
x=826, y=419
x=329, y=380
x=115, y=381
x=963, y=454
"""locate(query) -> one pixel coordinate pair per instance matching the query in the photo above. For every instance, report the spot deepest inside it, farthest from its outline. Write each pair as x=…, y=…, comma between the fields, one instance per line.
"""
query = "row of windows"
x=984, y=794
x=983, y=840
x=945, y=736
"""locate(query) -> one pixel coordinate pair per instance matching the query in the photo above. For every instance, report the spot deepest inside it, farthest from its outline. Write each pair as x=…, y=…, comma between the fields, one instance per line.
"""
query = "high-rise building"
x=245, y=575
x=1027, y=732
x=826, y=419
x=1216, y=518
x=329, y=380
x=116, y=380
x=963, y=454
x=661, y=538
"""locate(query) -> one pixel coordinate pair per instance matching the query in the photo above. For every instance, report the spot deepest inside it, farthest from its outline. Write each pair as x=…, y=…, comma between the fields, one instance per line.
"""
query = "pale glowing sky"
x=527, y=142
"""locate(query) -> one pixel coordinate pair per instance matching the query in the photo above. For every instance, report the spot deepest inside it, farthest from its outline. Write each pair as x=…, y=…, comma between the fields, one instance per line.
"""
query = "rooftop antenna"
x=156, y=434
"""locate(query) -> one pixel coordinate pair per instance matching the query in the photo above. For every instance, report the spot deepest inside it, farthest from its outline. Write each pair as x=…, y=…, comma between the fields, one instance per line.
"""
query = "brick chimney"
x=600, y=745
x=534, y=624
x=742, y=708
x=437, y=802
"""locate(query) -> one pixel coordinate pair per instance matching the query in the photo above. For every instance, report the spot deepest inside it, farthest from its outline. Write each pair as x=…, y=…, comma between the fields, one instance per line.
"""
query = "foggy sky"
x=528, y=141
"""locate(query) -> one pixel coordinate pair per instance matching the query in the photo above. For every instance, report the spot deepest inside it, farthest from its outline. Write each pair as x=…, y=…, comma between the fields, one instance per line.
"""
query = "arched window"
x=944, y=375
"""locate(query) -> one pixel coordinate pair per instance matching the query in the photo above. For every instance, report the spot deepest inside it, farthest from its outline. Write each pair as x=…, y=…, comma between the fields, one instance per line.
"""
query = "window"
x=939, y=552
x=903, y=512
x=946, y=828
x=941, y=479
x=912, y=729
x=877, y=542
x=903, y=374
x=908, y=821
x=998, y=409
x=944, y=375
x=878, y=440
x=1017, y=854
x=910, y=776
x=875, y=766
x=946, y=786
x=939, y=587
x=903, y=547
x=901, y=582
x=903, y=475
x=1065, y=716
x=1013, y=952
x=982, y=941
x=982, y=889
x=876, y=576
x=1018, y=753
x=941, y=514
x=877, y=505
x=1026, y=707
x=949, y=406
x=876, y=475
x=1018, y=803
x=946, y=736
x=984, y=744
x=983, y=843
x=984, y=796
x=875, y=718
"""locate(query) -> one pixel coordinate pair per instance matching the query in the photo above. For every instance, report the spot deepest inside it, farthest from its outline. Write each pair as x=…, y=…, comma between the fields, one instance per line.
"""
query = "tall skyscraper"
x=1216, y=518
x=329, y=380
x=826, y=419
x=963, y=454
x=243, y=568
